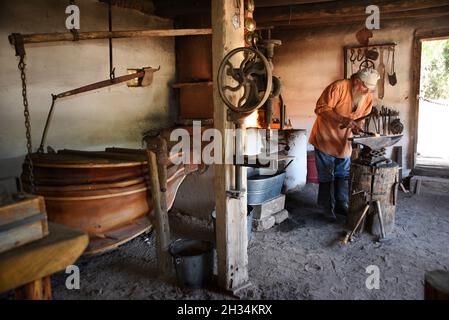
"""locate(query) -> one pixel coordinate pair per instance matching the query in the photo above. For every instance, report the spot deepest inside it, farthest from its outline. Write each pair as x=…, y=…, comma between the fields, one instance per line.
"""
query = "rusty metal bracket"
x=76, y=35
x=235, y=194
x=16, y=39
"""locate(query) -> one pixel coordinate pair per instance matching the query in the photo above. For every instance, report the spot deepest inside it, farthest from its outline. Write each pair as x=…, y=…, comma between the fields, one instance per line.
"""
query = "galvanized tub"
x=264, y=188
x=194, y=262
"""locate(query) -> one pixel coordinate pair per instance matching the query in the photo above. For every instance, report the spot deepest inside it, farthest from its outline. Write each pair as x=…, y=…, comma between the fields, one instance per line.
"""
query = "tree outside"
x=435, y=70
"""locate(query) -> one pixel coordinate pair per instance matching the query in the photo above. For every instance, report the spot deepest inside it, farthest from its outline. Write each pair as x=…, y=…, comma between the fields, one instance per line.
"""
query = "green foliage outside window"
x=435, y=70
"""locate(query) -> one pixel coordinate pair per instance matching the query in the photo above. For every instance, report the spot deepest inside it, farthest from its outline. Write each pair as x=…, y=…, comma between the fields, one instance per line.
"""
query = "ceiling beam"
x=351, y=19
x=140, y=5
x=277, y=3
x=341, y=9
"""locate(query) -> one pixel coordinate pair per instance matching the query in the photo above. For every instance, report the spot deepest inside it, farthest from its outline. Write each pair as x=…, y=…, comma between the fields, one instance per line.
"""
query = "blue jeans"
x=330, y=167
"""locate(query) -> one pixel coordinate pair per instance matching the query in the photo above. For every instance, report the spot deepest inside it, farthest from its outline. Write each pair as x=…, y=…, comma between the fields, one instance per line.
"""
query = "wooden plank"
x=341, y=9
x=360, y=17
x=231, y=235
x=385, y=186
x=164, y=260
x=192, y=84
x=94, y=35
x=111, y=240
x=359, y=194
x=41, y=258
x=21, y=209
x=23, y=231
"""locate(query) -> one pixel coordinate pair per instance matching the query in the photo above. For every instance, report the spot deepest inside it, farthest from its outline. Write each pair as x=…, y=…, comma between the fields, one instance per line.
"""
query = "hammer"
x=349, y=235
x=361, y=118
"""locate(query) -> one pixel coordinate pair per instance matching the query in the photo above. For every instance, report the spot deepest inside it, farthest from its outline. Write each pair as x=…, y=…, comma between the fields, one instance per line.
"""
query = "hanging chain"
x=433, y=101
x=26, y=113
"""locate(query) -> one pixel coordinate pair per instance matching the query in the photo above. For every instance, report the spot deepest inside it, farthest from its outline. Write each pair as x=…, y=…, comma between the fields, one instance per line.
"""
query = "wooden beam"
x=341, y=9
x=164, y=260
x=144, y=6
x=175, y=8
x=231, y=234
x=332, y=21
x=94, y=35
x=277, y=3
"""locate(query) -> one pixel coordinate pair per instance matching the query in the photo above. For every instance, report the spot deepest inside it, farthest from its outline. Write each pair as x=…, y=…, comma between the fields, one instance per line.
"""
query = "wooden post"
x=165, y=264
x=36, y=290
x=231, y=235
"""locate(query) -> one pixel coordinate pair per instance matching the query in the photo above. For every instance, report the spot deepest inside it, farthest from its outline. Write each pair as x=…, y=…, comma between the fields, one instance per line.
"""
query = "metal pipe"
x=238, y=149
x=47, y=124
x=381, y=220
x=101, y=84
x=111, y=64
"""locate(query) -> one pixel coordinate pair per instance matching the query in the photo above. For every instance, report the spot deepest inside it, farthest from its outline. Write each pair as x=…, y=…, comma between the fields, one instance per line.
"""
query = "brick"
x=281, y=216
x=269, y=208
x=263, y=224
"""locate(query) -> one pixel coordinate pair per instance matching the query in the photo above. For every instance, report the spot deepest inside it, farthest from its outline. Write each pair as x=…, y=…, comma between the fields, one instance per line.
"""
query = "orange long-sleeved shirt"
x=326, y=134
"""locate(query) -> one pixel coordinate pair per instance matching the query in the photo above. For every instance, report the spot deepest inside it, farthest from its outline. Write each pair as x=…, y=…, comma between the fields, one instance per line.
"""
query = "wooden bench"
x=28, y=268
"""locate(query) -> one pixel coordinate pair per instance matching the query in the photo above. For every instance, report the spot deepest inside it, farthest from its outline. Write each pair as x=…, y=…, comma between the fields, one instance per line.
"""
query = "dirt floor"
x=299, y=259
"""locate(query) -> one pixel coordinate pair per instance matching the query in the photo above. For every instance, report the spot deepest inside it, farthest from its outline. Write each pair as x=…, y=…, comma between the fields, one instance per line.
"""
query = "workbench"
x=28, y=268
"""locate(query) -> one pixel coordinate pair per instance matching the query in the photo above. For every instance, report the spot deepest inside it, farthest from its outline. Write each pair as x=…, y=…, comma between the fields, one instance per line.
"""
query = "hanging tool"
x=388, y=120
x=367, y=64
x=360, y=54
x=381, y=71
x=353, y=58
x=372, y=54
x=383, y=114
x=392, y=79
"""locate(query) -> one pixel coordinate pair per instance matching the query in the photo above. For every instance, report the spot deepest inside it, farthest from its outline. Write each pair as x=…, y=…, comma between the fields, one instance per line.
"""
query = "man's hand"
x=357, y=130
x=344, y=122
x=349, y=123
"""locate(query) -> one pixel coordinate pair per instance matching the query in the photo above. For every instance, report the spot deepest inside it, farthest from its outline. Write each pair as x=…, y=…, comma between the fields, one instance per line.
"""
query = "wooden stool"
x=436, y=285
x=28, y=268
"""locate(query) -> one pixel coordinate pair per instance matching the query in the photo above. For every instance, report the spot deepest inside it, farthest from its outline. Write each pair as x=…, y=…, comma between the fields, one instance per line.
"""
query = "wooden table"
x=28, y=268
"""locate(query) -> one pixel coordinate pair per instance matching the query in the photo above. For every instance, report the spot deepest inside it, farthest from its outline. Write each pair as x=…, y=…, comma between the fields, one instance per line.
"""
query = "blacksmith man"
x=339, y=104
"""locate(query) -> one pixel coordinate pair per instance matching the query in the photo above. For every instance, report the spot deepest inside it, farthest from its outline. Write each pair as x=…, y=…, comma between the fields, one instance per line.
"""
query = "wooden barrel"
x=367, y=185
x=106, y=194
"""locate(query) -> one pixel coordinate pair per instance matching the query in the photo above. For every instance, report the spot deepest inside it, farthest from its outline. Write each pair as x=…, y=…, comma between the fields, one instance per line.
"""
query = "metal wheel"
x=247, y=86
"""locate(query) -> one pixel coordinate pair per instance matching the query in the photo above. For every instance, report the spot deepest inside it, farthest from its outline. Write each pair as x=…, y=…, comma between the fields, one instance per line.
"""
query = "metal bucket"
x=194, y=262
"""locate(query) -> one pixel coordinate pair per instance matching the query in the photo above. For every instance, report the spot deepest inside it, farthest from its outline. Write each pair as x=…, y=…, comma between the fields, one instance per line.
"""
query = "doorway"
x=432, y=150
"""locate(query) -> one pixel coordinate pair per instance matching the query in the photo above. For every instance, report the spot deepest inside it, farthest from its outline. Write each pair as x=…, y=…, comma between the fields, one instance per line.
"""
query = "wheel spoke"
x=233, y=89
x=245, y=95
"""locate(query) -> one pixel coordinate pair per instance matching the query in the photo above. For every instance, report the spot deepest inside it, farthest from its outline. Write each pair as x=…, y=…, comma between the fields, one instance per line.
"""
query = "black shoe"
x=326, y=200
x=341, y=186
